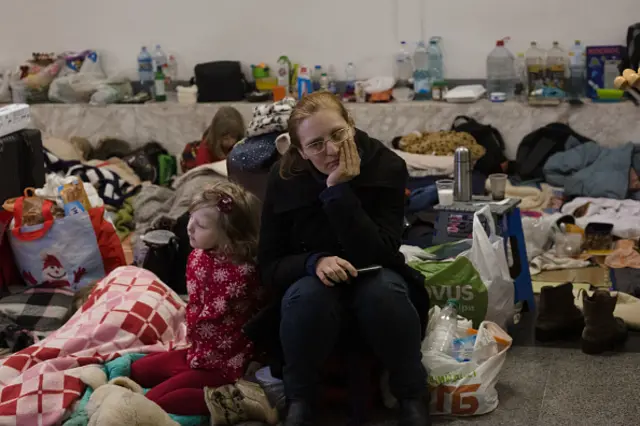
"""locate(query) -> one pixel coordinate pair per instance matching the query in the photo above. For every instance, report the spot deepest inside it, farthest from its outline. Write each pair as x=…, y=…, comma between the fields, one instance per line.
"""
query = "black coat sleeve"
x=373, y=236
x=278, y=267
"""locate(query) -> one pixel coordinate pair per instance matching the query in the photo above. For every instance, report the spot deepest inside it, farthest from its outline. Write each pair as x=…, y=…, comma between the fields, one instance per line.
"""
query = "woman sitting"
x=336, y=204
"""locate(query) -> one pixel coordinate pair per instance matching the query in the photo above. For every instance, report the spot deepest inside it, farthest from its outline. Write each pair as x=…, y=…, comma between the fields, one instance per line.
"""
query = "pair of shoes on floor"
x=241, y=402
x=412, y=412
x=560, y=319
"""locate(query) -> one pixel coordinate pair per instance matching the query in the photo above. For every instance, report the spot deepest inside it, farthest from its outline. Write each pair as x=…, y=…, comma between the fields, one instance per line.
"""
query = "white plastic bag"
x=468, y=388
x=488, y=256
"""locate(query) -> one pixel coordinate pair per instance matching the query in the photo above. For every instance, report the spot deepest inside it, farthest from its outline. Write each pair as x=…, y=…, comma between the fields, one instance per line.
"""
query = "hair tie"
x=224, y=204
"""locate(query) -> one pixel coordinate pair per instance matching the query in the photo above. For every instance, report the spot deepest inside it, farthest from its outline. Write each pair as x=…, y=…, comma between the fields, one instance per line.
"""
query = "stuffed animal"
x=629, y=81
x=120, y=402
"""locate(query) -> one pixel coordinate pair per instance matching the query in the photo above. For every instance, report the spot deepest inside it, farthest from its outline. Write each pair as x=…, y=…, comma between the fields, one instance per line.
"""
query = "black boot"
x=300, y=414
x=558, y=316
x=413, y=412
x=602, y=331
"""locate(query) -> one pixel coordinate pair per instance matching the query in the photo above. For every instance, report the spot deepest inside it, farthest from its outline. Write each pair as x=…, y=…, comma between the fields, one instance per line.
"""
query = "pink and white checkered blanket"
x=129, y=311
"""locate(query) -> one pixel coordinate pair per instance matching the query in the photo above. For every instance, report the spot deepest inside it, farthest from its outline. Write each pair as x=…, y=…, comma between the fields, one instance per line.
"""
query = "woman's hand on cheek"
x=349, y=166
x=332, y=269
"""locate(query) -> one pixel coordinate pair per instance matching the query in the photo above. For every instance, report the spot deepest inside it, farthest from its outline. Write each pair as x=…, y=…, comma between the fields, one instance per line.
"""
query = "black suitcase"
x=220, y=81
x=21, y=163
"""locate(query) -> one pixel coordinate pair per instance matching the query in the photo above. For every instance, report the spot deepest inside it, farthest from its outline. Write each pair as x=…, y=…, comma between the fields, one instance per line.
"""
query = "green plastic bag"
x=459, y=280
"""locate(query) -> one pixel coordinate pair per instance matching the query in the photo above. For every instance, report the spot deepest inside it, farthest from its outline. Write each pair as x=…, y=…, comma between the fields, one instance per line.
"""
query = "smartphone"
x=369, y=269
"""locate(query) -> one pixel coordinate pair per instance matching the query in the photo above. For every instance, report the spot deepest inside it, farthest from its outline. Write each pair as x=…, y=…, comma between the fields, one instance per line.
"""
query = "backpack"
x=536, y=148
x=631, y=58
x=152, y=163
x=220, y=81
x=494, y=160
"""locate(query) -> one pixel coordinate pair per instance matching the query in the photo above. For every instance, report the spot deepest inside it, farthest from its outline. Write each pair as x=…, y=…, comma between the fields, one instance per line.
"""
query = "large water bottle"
x=421, y=70
x=403, y=66
x=350, y=71
x=160, y=58
x=556, y=65
x=501, y=71
x=441, y=337
x=577, y=66
x=534, y=59
x=145, y=67
x=436, y=60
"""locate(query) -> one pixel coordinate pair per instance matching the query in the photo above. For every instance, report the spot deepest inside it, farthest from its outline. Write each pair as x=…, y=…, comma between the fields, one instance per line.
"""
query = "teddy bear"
x=120, y=402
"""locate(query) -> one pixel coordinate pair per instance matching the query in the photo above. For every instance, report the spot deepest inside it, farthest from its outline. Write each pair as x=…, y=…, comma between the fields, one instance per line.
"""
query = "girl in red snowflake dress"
x=223, y=288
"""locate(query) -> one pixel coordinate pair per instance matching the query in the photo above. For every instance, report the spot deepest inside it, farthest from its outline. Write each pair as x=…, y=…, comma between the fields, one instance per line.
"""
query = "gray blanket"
x=154, y=202
x=592, y=170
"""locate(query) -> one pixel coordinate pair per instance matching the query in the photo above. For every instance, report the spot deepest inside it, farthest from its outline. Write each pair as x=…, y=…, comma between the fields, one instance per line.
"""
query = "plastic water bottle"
x=421, y=66
x=436, y=60
x=403, y=66
x=315, y=78
x=172, y=68
x=350, y=71
x=534, y=61
x=145, y=67
x=160, y=58
x=577, y=66
x=501, y=71
x=441, y=337
x=521, y=78
x=556, y=65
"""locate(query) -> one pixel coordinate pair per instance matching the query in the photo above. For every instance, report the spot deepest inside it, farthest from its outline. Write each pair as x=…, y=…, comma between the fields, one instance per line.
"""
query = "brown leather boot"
x=558, y=316
x=602, y=331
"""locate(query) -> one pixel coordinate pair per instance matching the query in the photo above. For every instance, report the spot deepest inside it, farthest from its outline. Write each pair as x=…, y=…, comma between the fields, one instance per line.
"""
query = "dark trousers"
x=313, y=317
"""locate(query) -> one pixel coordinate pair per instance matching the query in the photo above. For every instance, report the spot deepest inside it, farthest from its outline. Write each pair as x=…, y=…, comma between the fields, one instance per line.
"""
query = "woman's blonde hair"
x=239, y=217
x=292, y=163
x=226, y=123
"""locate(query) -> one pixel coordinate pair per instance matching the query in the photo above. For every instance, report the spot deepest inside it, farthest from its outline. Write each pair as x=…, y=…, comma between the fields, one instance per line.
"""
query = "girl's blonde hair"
x=226, y=123
x=239, y=217
x=292, y=163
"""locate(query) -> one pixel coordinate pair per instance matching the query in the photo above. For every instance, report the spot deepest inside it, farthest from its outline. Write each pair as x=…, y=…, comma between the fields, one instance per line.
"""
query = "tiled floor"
x=559, y=385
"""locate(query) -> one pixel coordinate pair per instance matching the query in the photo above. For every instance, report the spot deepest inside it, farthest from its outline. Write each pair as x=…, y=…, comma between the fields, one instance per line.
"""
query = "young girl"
x=223, y=288
x=226, y=129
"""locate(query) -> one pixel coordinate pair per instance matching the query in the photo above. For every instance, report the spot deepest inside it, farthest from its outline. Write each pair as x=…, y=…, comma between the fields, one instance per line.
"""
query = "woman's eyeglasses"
x=338, y=137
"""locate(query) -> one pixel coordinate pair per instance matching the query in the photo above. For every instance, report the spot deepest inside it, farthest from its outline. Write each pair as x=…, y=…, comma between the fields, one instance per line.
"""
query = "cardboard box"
x=602, y=67
x=14, y=118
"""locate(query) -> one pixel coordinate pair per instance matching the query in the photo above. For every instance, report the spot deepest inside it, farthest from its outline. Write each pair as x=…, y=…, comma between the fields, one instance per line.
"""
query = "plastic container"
x=421, y=70
x=172, y=70
x=577, y=68
x=283, y=72
x=445, y=192
x=350, y=72
x=145, y=66
x=324, y=82
x=556, y=66
x=316, y=76
x=568, y=244
x=501, y=71
x=521, y=77
x=403, y=66
x=266, y=84
x=535, y=66
x=160, y=58
x=187, y=95
x=441, y=337
x=435, y=60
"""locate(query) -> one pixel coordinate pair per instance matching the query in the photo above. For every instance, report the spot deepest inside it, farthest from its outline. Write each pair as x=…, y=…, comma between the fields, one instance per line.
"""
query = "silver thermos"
x=462, y=175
